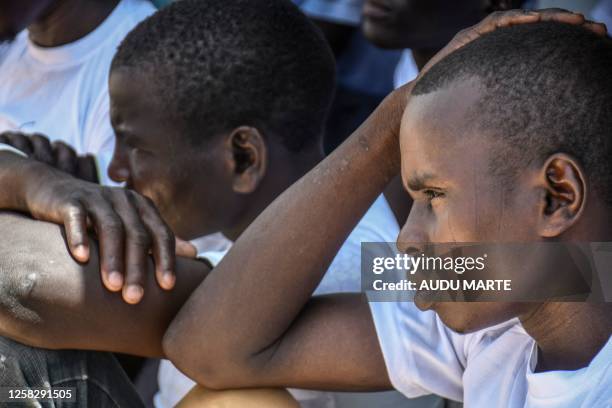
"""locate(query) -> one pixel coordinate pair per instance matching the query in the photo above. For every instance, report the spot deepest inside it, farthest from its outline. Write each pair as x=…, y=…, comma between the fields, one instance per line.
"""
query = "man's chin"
x=422, y=303
x=451, y=318
x=468, y=317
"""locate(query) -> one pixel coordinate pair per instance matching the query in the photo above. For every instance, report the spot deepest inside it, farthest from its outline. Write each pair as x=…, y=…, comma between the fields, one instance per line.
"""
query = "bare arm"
x=253, y=298
x=49, y=300
x=256, y=302
x=127, y=224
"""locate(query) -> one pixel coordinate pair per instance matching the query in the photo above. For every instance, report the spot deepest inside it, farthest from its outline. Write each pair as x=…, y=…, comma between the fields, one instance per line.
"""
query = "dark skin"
x=421, y=24
x=424, y=26
x=459, y=201
x=128, y=226
x=60, y=303
x=52, y=23
x=57, y=154
x=310, y=333
x=222, y=185
x=88, y=308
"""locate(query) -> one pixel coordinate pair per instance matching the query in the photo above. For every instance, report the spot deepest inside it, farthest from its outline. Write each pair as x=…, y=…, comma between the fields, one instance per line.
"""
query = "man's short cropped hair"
x=547, y=89
x=219, y=64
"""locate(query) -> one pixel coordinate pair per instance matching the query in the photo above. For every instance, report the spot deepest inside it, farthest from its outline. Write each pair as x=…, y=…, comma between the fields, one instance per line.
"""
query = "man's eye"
x=431, y=194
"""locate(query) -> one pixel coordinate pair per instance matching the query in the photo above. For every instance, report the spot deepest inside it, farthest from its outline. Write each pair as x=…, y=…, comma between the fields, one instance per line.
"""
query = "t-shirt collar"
x=552, y=384
x=80, y=49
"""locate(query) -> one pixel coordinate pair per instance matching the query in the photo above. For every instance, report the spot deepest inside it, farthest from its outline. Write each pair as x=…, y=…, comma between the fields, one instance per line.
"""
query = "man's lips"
x=375, y=9
x=423, y=301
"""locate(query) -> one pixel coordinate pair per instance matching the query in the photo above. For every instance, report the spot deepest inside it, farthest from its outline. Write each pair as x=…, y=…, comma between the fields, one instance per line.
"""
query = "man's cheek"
x=445, y=228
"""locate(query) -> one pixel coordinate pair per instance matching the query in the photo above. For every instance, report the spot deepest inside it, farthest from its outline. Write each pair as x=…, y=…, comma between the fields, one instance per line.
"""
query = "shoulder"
x=13, y=50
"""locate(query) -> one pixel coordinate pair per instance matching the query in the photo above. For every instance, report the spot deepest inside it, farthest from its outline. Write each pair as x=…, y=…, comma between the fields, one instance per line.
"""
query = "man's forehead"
x=132, y=93
x=437, y=131
x=447, y=106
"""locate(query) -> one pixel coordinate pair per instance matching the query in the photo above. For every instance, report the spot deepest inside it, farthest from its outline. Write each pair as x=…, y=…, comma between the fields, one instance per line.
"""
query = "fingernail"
x=115, y=280
x=81, y=252
x=133, y=293
x=168, y=280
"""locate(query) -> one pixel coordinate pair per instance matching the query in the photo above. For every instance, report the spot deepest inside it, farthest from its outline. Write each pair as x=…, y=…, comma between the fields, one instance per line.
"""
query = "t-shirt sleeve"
x=212, y=257
x=421, y=354
x=347, y=12
x=344, y=273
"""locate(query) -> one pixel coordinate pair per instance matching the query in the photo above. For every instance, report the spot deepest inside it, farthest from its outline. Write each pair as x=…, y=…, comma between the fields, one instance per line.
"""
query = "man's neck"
x=69, y=20
x=277, y=181
x=568, y=334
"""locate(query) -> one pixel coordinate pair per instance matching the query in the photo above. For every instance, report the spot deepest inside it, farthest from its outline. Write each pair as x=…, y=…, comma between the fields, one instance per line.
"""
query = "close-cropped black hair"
x=219, y=64
x=547, y=88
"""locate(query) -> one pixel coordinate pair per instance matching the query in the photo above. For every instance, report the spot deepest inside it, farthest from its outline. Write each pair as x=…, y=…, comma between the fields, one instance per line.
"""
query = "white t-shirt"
x=347, y=12
x=343, y=275
x=488, y=368
x=62, y=92
x=406, y=69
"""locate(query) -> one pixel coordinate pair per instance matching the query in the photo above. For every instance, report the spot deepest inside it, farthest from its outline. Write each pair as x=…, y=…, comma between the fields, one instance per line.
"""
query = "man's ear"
x=564, y=195
x=249, y=158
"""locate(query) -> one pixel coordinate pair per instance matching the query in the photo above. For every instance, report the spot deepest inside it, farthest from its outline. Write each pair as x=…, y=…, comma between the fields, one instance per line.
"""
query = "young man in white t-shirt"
x=470, y=109
x=209, y=176
x=54, y=74
x=398, y=26
x=54, y=104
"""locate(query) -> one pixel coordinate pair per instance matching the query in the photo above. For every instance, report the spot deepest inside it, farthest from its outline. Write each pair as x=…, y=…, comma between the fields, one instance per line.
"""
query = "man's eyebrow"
x=418, y=181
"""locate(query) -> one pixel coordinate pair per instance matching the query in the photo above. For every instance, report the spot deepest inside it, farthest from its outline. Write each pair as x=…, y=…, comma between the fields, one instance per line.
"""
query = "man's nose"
x=413, y=237
x=117, y=171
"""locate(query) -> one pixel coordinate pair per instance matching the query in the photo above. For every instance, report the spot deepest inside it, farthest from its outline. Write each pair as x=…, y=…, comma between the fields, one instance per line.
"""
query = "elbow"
x=18, y=320
x=208, y=365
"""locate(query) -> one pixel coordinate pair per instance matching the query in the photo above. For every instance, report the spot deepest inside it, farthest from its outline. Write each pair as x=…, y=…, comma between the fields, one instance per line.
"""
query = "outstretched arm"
x=49, y=300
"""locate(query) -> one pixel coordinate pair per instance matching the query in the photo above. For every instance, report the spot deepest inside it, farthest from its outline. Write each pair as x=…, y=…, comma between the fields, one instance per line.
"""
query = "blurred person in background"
x=364, y=72
x=422, y=27
x=54, y=62
x=54, y=66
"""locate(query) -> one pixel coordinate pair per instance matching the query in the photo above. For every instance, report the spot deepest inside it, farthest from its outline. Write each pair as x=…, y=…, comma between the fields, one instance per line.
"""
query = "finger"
x=561, y=16
x=597, y=28
x=19, y=141
x=87, y=169
x=137, y=246
x=185, y=249
x=42, y=149
x=65, y=157
x=75, y=223
x=508, y=18
x=111, y=235
x=163, y=243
